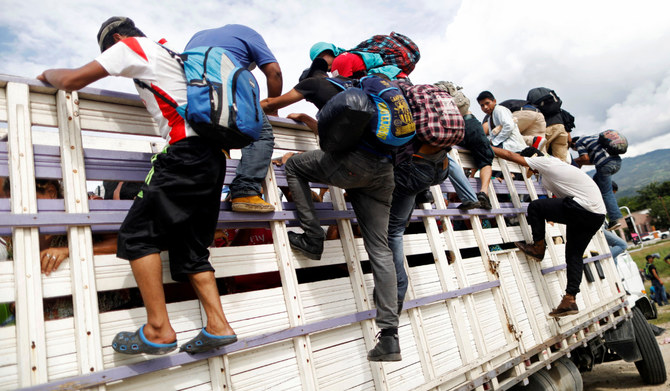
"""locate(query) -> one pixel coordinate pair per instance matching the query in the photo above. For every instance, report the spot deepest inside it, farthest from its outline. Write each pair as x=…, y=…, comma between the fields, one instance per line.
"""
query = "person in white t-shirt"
x=177, y=207
x=579, y=206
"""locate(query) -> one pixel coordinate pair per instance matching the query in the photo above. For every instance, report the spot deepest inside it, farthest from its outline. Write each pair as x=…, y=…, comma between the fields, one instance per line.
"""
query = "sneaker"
x=484, y=201
x=311, y=248
x=535, y=250
x=468, y=204
x=613, y=225
x=423, y=197
x=387, y=348
x=251, y=204
x=567, y=307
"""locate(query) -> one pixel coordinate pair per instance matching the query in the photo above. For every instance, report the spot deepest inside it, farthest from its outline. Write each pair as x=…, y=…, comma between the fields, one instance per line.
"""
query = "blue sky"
x=607, y=60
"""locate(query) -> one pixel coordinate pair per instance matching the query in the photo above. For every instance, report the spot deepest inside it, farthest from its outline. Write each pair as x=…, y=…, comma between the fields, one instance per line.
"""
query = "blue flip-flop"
x=205, y=341
x=126, y=342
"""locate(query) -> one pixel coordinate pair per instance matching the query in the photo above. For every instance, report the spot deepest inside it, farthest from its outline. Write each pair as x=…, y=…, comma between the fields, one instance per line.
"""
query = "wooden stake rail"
x=470, y=324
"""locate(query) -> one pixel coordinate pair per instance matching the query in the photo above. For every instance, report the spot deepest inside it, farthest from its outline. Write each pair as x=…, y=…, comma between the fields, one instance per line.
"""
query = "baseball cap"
x=108, y=26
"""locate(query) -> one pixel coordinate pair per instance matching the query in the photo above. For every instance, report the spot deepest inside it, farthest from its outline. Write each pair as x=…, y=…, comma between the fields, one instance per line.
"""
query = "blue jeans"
x=253, y=166
x=603, y=178
x=460, y=181
x=616, y=244
x=368, y=180
x=411, y=178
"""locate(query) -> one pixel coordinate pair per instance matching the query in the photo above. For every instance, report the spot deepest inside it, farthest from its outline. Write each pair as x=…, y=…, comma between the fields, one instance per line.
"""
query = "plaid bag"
x=438, y=121
x=395, y=49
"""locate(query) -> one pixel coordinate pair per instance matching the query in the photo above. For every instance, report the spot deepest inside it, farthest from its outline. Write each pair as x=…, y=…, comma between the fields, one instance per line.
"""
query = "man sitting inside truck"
x=579, y=206
x=180, y=199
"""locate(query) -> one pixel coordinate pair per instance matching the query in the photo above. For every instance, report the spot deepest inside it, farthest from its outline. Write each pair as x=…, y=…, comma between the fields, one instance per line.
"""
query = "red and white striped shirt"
x=141, y=58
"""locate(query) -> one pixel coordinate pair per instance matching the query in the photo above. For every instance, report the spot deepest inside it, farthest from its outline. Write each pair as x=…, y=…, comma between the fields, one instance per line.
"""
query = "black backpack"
x=514, y=104
x=545, y=100
x=568, y=120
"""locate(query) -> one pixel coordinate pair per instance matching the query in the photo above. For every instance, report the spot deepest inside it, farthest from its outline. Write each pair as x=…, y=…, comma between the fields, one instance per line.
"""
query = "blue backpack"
x=223, y=99
x=392, y=123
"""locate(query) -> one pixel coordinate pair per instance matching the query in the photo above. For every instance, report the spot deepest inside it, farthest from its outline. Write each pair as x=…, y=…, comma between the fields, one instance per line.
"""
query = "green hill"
x=639, y=171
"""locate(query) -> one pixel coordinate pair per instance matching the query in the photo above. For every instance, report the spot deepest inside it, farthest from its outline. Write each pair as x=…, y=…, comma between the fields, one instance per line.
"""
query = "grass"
x=662, y=248
x=663, y=269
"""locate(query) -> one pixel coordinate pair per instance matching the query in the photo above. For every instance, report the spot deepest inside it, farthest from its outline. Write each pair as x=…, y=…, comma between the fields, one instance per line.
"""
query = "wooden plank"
x=84, y=292
x=289, y=280
x=31, y=341
x=353, y=256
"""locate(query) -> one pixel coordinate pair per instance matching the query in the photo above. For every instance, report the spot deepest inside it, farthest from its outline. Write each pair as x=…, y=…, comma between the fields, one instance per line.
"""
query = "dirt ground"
x=621, y=375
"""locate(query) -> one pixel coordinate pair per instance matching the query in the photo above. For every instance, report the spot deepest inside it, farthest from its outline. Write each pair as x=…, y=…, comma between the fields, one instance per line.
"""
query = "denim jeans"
x=603, y=178
x=580, y=224
x=368, y=180
x=616, y=244
x=411, y=178
x=460, y=181
x=253, y=166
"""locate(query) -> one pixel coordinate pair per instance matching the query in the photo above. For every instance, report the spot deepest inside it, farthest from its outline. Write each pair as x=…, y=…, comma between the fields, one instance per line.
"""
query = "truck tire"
x=651, y=367
x=563, y=376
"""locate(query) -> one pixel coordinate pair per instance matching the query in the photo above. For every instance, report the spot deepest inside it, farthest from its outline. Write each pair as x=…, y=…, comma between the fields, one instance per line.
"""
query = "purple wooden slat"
x=586, y=260
x=173, y=360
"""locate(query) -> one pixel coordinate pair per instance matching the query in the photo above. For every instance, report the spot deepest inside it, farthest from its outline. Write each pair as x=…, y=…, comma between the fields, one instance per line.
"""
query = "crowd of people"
x=176, y=208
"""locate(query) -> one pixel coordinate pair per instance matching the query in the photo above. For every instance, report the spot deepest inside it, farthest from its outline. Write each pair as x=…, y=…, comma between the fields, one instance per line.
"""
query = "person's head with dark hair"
x=486, y=101
x=573, y=140
x=485, y=95
x=615, y=187
x=48, y=189
x=530, y=152
x=45, y=188
x=121, y=25
x=318, y=68
x=4, y=187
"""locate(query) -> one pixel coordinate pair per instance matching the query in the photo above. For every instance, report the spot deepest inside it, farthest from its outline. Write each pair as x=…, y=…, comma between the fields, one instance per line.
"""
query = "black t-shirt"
x=318, y=90
x=648, y=271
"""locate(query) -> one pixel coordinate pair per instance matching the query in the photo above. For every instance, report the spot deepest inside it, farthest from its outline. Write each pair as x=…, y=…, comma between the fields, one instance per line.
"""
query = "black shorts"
x=477, y=143
x=177, y=208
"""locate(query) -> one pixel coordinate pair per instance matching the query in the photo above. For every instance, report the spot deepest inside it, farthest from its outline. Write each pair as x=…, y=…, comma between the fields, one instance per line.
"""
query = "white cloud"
x=604, y=58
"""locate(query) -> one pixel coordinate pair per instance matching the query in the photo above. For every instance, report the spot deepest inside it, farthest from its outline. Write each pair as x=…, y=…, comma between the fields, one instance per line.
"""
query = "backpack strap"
x=146, y=86
x=344, y=86
x=179, y=57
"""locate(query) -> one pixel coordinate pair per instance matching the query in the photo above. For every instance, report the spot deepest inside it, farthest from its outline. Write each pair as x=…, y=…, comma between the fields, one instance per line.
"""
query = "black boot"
x=387, y=348
x=311, y=248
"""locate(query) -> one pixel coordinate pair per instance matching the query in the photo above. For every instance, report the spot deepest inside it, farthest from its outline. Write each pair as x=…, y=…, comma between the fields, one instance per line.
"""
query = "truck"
x=475, y=317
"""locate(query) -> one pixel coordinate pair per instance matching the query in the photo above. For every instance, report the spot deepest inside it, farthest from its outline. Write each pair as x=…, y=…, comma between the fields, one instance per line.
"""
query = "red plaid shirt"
x=438, y=121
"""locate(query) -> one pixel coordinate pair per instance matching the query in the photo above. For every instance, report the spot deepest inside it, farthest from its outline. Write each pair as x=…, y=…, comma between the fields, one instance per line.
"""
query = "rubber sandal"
x=126, y=342
x=205, y=341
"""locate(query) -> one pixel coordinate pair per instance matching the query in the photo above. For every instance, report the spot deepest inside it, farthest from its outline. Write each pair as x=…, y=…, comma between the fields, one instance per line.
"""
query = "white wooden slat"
x=3, y=105
x=361, y=288
x=61, y=348
x=182, y=378
x=270, y=367
x=341, y=351
x=289, y=282
x=84, y=292
x=29, y=315
x=7, y=288
x=9, y=373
